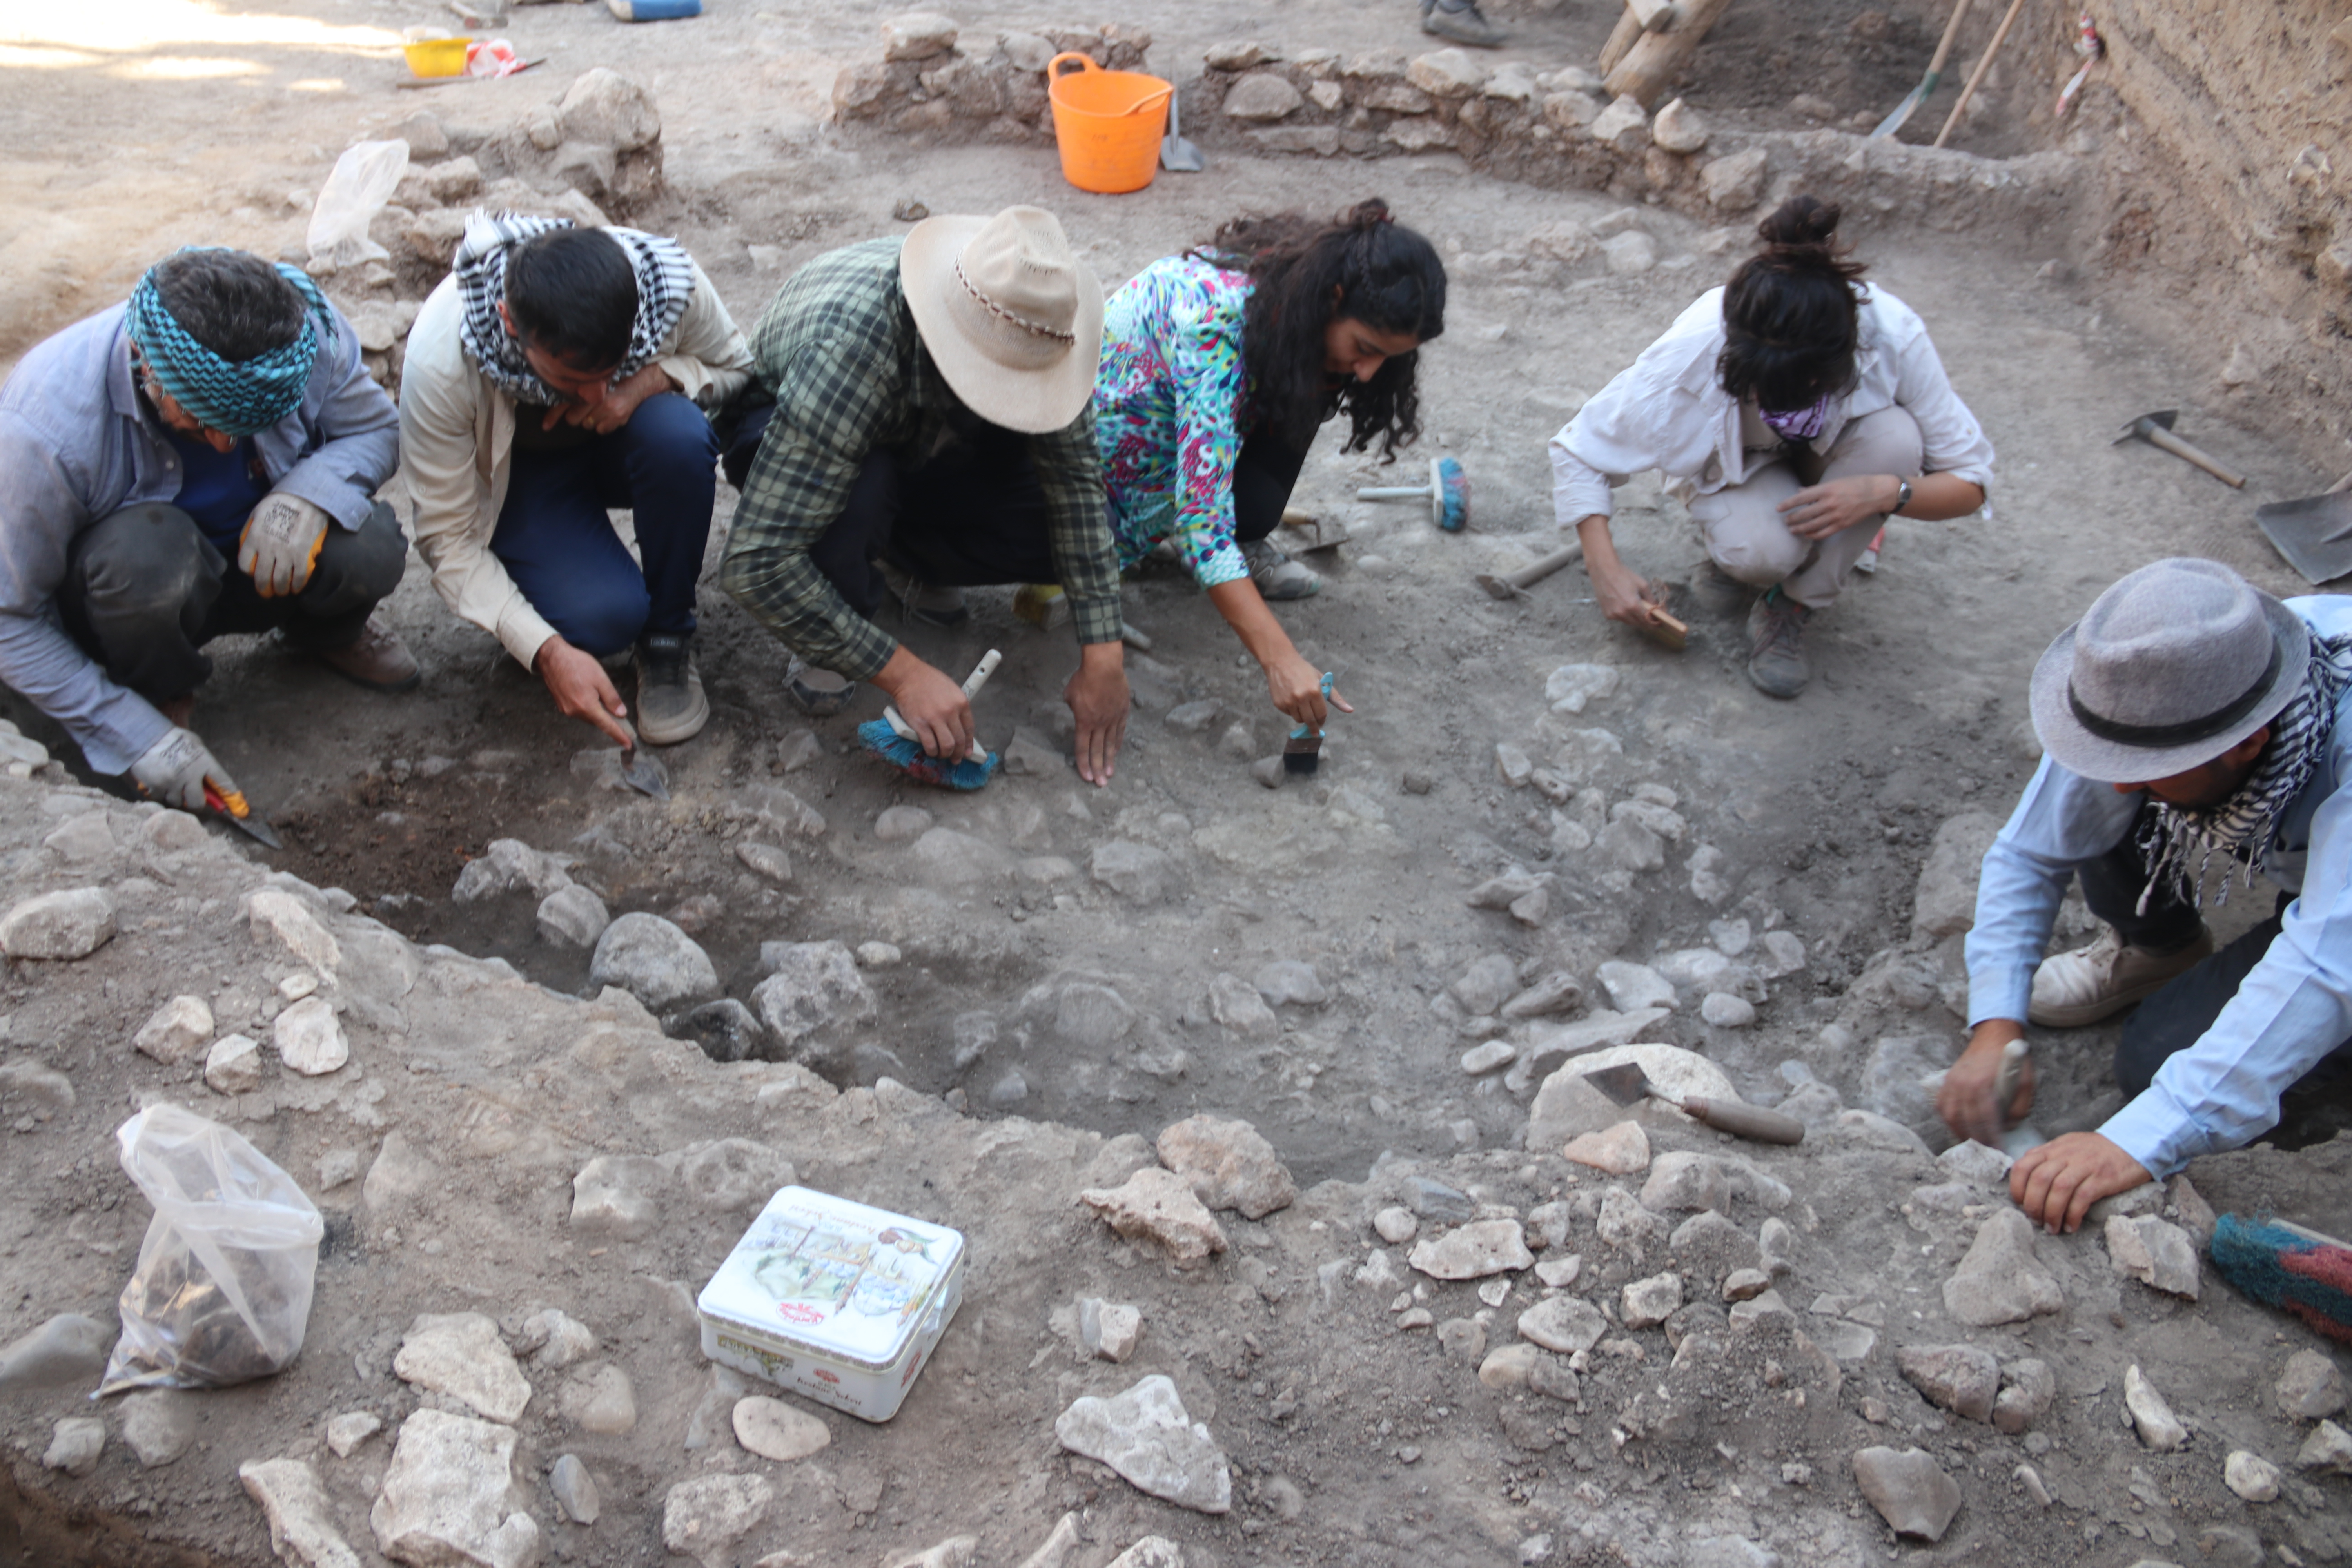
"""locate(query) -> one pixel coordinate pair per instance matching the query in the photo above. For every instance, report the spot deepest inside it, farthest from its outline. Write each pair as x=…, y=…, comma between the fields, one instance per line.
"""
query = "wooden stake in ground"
x=1649, y=66
x=1639, y=16
x=1984, y=64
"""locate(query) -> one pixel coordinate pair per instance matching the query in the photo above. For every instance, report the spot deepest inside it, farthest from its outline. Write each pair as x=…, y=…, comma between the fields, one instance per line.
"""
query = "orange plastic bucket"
x=1107, y=124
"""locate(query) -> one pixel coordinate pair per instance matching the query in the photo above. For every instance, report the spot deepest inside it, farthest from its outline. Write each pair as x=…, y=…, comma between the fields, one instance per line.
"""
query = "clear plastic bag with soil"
x=222, y=1293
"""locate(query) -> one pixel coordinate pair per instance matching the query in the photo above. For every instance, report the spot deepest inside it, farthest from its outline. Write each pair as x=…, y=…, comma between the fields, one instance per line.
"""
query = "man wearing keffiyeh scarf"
x=2194, y=737
x=558, y=374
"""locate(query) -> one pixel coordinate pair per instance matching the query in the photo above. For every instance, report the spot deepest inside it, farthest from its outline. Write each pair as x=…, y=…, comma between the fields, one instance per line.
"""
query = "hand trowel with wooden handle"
x=1626, y=1084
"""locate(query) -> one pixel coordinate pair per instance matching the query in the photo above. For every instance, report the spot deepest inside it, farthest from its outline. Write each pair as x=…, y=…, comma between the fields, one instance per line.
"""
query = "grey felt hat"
x=2171, y=667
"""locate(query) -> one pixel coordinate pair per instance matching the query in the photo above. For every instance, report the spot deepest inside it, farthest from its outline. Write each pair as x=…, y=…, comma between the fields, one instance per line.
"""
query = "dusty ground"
x=199, y=128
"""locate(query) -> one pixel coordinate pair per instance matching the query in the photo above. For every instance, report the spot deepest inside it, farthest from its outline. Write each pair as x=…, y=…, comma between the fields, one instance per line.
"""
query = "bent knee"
x=141, y=559
x=1760, y=561
x=602, y=623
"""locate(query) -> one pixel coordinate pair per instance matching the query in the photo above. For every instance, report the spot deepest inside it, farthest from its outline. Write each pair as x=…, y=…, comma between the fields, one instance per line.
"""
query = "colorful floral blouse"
x=1168, y=397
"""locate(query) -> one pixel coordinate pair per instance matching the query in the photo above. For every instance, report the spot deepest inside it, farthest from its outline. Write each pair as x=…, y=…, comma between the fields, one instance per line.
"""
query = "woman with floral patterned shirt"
x=1219, y=365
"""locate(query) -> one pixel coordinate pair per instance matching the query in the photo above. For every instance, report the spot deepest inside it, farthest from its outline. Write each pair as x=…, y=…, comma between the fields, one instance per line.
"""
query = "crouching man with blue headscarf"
x=200, y=461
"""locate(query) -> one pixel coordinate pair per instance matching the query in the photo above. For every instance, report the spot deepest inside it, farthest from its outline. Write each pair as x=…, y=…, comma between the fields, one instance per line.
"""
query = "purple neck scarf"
x=1799, y=424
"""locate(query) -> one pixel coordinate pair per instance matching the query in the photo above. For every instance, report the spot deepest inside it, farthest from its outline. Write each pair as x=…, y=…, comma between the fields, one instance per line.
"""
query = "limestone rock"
x=1681, y=1181
x=605, y=109
x=1145, y=1435
x=461, y=1356
x=1486, y=983
x=2329, y=1449
x=2158, y=1429
x=1160, y=1205
x=2310, y=1387
x=764, y=859
x=813, y=985
x=599, y=1399
x=1473, y=1251
x=1508, y=1367
x=72, y=923
x=572, y=917
x=1262, y=97
x=76, y=1444
x=504, y=864
x=1646, y=1304
x=1109, y=1328
x=1961, y=1378
x=2156, y=1252
x=348, y=1430
x=775, y=1430
x=301, y=1521
x=613, y=1195
x=1229, y=1164
x=1092, y=1015
x=233, y=1066
x=1288, y=983
x=2027, y=1390
x=652, y=959
x=1633, y=987
x=1622, y=127
x=160, y=1425
x=704, y=1518
x=2001, y=1280
x=1136, y=872
x=902, y=823
x=1678, y=128
x=310, y=1038
x=1447, y=73
x=1564, y=1323
x=1236, y=1004
x=2252, y=1477
x=1736, y=182
x=175, y=1031
x=1946, y=901
x=575, y=1489
x=1396, y=1225
x=1557, y=992
x=66, y=1349
x=1236, y=55
x=1969, y=1161
x=1726, y=1011
x=1909, y=1491
x=33, y=1086
x=955, y=1552
x=917, y=35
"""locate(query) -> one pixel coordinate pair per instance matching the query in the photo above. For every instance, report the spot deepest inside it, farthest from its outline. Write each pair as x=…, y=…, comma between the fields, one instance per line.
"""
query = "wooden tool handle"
x=1944, y=48
x=2159, y=436
x=1742, y=1119
x=1984, y=64
x=1535, y=571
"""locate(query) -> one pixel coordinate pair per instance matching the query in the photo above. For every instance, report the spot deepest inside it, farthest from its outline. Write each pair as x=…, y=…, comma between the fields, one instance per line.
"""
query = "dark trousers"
x=2174, y=1018
x=145, y=589
x=560, y=549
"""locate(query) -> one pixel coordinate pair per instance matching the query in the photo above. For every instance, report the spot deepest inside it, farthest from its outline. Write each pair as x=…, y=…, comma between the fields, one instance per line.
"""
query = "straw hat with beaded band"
x=1010, y=314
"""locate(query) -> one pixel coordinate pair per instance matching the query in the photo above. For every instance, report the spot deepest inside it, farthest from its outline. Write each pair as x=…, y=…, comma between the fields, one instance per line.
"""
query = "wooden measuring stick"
x=1984, y=64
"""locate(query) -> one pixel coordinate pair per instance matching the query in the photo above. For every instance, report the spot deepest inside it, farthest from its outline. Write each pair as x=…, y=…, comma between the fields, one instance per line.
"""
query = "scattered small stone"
x=1633, y=987
x=1961, y=1378
x=233, y=1066
x=1433, y=1200
x=877, y=956
x=654, y=961
x=460, y=1354
x=917, y=35
x=2156, y=1252
x=902, y=823
x=1622, y=1150
x=348, y=1430
x=1557, y=992
x=1746, y=1284
x=1726, y=1011
x=1568, y=1324
x=599, y=1399
x=572, y=917
x=1413, y=782
x=1473, y=1251
x=775, y=1430
x=1508, y=1367
x=310, y=1038
x=2027, y=1389
x=1486, y=983
x=1681, y=1181
x=1559, y=1273
x=1464, y=1338
x=810, y=985
x=1396, y=1225
x=72, y=923
x=1145, y=1435
x=2329, y=1448
x=1909, y=1491
x=66, y=1349
x=2158, y=1427
x=160, y=1425
x=2310, y=1387
x=175, y=1031
x=1515, y=766
x=1262, y=97
x=1288, y=983
x=1108, y=1328
x=75, y=1446
x=575, y=1489
x=1414, y=1318
x=1160, y=1205
x=1229, y=1164
x=1981, y=1164
x=765, y=859
x=2001, y=1280
x=1487, y=1057
x=1137, y=872
x=2252, y=1477
x=1783, y=954
x=1238, y=1006
x=1646, y=1304
x=705, y=1517
x=1677, y=128
x=301, y=1519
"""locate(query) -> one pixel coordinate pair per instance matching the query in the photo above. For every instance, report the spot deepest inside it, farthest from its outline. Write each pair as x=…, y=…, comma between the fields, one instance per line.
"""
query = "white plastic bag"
x=362, y=180
x=222, y=1293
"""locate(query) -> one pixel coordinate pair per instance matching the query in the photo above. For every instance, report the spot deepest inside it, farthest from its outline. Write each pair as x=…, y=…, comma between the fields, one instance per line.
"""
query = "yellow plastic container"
x=437, y=56
x=1107, y=124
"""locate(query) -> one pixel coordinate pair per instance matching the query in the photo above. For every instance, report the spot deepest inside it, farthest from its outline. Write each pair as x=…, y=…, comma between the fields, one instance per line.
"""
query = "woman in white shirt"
x=1793, y=411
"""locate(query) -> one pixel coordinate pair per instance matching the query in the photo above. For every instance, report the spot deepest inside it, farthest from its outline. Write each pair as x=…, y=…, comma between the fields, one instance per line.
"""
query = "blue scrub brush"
x=1447, y=493
x=893, y=739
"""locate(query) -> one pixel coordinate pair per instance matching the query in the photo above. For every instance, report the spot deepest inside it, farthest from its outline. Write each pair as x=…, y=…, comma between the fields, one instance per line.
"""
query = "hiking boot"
x=820, y=693
x=1460, y=21
x=1775, y=646
x=670, y=704
x=933, y=606
x=1277, y=576
x=1719, y=593
x=2099, y=981
x=378, y=660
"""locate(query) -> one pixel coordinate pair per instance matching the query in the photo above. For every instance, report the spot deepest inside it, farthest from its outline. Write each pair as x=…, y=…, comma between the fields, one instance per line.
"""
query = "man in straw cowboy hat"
x=200, y=461
x=2186, y=718
x=930, y=432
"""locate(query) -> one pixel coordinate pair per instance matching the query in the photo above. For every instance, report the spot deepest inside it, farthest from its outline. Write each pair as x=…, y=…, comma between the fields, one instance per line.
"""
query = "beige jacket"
x=456, y=449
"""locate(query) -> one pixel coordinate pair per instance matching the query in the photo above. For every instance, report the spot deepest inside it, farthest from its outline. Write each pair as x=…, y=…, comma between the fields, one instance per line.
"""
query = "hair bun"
x=1799, y=224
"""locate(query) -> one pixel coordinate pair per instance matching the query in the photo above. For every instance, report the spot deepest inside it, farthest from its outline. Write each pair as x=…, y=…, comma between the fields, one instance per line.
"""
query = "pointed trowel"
x=1627, y=1084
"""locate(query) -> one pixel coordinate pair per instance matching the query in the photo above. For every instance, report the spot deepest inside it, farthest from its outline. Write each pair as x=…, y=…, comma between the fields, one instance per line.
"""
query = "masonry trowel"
x=1627, y=1084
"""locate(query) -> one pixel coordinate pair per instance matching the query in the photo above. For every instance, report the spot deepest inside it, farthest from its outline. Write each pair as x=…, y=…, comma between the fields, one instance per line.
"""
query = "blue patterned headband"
x=234, y=398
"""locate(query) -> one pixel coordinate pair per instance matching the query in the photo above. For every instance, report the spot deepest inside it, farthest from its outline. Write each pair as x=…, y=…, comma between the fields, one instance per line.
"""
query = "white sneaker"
x=2072, y=989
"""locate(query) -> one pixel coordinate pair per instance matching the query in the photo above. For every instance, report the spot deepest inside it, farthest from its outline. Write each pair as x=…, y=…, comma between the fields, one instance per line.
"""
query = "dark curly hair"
x=1362, y=264
x=1792, y=317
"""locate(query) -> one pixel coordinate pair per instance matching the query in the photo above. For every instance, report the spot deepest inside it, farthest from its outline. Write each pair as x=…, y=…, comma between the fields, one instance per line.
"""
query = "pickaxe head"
x=2136, y=430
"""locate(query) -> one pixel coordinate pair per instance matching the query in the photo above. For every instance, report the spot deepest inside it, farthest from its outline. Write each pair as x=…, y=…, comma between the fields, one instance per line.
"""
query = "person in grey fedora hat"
x=2190, y=725
x=930, y=432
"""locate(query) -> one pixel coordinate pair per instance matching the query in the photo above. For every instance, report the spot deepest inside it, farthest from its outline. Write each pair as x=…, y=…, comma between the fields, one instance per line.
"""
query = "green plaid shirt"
x=837, y=347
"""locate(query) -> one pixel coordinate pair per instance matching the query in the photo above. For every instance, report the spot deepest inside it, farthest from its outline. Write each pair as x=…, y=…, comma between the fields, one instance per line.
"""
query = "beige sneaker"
x=2073, y=989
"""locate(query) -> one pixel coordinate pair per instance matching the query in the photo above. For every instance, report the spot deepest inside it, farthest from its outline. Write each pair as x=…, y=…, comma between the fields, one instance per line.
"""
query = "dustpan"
x=2314, y=534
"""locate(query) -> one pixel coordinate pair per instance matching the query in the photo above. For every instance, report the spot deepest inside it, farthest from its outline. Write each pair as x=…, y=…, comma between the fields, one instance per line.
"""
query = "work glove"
x=173, y=771
x=280, y=544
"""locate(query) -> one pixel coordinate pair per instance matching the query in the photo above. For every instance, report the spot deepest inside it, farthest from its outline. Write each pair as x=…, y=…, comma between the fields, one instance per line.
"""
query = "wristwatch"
x=1903, y=498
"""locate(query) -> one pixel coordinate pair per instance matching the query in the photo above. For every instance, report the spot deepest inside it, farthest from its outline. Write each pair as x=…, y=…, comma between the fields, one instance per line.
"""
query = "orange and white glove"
x=280, y=544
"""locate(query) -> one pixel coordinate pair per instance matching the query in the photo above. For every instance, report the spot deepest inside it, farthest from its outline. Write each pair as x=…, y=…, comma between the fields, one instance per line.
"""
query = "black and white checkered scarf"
x=2245, y=826
x=665, y=287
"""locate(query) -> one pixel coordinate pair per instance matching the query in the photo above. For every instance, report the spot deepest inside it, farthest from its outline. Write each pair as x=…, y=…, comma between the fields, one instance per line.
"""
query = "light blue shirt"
x=77, y=445
x=2292, y=1009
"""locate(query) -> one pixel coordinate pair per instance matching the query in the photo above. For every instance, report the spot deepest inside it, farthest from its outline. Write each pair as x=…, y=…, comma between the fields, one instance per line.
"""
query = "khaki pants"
x=1749, y=539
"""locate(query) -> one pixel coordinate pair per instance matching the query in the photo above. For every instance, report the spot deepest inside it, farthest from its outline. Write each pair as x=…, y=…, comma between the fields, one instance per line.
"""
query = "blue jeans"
x=561, y=549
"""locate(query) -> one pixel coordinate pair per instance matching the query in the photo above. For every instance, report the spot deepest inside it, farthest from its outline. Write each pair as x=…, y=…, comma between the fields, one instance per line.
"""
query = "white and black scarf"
x=665, y=278
x=2245, y=826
